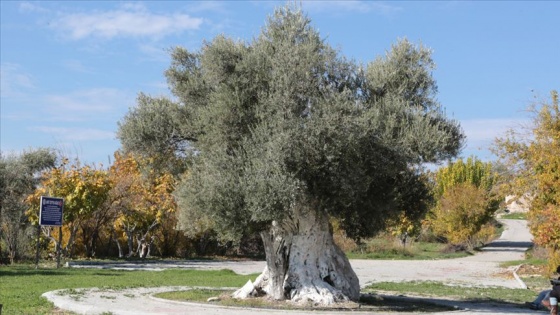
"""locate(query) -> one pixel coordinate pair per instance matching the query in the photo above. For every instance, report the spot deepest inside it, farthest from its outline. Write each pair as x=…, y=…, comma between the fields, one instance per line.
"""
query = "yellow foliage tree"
x=465, y=201
x=461, y=212
x=142, y=201
x=85, y=190
x=533, y=156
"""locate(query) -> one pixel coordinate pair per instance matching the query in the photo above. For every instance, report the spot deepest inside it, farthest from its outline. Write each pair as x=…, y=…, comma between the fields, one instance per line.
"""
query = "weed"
x=108, y=297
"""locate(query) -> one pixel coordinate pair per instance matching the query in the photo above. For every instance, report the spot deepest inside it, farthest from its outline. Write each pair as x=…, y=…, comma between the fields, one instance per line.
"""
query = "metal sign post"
x=50, y=214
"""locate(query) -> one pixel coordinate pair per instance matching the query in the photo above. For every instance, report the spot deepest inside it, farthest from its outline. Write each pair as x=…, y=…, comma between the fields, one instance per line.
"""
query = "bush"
x=461, y=215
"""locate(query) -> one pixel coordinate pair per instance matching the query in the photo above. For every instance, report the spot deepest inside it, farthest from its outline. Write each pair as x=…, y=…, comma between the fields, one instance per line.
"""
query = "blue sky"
x=71, y=70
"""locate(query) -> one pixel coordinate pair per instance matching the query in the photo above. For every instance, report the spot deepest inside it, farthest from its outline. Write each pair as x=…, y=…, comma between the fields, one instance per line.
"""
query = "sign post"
x=50, y=214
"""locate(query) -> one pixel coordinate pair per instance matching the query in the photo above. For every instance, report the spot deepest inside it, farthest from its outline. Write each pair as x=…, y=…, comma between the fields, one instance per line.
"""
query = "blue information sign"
x=51, y=211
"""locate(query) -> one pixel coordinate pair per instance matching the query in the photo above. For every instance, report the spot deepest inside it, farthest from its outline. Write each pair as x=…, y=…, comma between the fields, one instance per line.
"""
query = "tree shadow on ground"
x=429, y=304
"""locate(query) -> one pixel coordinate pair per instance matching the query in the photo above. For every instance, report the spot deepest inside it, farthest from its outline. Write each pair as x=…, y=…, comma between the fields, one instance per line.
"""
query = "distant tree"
x=461, y=212
x=472, y=171
x=466, y=200
x=282, y=133
x=19, y=175
x=533, y=156
x=85, y=190
x=141, y=203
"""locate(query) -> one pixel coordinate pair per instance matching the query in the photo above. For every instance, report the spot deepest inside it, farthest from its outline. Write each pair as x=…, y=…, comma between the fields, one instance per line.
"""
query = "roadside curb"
x=516, y=276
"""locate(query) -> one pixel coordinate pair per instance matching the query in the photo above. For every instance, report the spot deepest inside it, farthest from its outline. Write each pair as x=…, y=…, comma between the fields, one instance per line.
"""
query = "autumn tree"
x=472, y=171
x=532, y=154
x=85, y=190
x=283, y=132
x=142, y=202
x=19, y=175
x=466, y=200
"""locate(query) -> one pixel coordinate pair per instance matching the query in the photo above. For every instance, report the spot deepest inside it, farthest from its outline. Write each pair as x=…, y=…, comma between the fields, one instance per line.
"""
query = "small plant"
x=73, y=293
x=108, y=297
x=197, y=295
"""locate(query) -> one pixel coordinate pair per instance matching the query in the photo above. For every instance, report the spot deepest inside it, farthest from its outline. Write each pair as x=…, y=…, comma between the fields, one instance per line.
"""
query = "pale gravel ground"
x=478, y=270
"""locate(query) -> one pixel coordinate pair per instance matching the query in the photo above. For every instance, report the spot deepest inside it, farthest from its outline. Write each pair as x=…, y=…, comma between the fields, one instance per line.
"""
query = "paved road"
x=478, y=270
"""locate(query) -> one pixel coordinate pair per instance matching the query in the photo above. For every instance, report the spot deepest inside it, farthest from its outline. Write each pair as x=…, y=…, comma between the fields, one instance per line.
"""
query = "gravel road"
x=478, y=270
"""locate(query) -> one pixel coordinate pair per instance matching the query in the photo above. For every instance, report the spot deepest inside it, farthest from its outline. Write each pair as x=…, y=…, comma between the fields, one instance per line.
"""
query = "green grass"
x=529, y=261
x=515, y=216
x=21, y=286
x=383, y=249
x=438, y=289
x=202, y=295
x=195, y=295
x=392, y=301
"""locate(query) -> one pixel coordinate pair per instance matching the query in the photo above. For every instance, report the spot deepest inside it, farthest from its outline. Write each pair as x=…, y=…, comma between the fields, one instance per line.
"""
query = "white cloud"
x=76, y=134
x=90, y=101
x=14, y=81
x=481, y=133
x=132, y=20
x=351, y=6
x=31, y=7
x=478, y=130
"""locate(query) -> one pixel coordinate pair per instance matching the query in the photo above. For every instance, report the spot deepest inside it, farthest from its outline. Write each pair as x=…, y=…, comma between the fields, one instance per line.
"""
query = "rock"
x=213, y=299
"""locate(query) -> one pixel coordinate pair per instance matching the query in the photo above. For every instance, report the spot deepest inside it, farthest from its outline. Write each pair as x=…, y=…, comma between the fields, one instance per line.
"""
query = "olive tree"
x=19, y=175
x=283, y=132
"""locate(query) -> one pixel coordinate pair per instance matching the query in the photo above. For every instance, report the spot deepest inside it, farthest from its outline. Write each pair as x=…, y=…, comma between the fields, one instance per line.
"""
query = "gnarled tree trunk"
x=304, y=264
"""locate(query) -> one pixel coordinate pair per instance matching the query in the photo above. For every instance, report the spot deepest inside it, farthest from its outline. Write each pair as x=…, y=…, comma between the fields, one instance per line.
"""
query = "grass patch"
x=383, y=249
x=530, y=261
x=21, y=286
x=438, y=289
x=194, y=295
x=537, y=284
x=514, y=216
x=202, y=295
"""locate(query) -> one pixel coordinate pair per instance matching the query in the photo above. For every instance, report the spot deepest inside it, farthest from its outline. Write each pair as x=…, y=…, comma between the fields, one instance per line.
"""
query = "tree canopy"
x=466, y=200
x=19, y=175
x=285, y=120
x=533, y=155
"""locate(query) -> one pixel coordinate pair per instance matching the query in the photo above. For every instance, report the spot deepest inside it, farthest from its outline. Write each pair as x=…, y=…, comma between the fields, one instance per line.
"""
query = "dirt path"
x=478, y=270
x=481, y=269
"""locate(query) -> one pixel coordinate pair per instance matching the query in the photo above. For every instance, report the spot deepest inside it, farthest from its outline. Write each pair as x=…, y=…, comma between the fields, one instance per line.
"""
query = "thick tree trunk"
x=304, y=264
